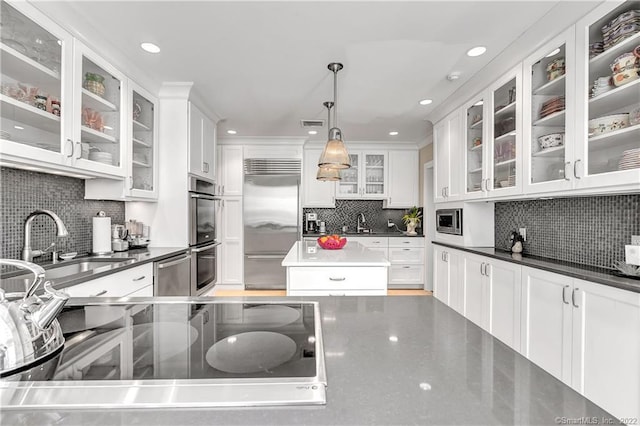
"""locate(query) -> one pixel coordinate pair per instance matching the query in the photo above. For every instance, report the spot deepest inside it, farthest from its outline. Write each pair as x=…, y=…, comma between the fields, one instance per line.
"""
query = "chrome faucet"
x=360, y=228
x=27, y=253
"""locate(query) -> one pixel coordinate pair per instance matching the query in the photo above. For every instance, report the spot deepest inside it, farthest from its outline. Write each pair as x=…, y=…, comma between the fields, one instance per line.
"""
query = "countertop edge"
x=550, y=266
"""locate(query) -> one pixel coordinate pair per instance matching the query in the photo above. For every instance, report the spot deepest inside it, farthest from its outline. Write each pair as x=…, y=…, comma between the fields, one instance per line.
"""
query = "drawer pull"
x=100, y=293
x=406, y=242
x=139, y=278
x=337, y=279
x=406, y=249
x=406, y=267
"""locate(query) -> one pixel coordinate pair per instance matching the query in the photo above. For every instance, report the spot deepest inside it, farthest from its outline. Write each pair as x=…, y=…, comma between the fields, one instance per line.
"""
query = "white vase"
x=411, y=227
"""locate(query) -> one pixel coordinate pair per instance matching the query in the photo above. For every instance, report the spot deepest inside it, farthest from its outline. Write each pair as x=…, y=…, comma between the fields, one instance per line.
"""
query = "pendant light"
x=335, y=155
x=328, y=173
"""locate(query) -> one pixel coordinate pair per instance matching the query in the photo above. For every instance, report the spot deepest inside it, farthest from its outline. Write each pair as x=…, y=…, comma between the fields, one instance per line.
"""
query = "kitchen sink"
x=61, y=272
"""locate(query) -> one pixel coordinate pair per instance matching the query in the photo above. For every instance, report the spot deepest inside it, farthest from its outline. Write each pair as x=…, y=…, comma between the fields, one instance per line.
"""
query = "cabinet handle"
x=72, y=148
x=573, y=297
x=406, y=249
x=564, y=299
x=446, y=191
x=406, y=267
x=100, y=293
x=223, y=189
x=566, y=176
x=486, y=269
x=375, y=242
x=406, y=242
x=130, y=182
x=337, y=279
x=575, y=169
x=446, y=256
x=79, y=149
x=482, y=268
x=139, y=278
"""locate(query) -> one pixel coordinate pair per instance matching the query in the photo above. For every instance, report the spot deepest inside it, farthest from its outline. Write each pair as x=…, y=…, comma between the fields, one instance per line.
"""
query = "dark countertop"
x=588, y=273
x=438, y=369
x=370, y=234
x=136, y=257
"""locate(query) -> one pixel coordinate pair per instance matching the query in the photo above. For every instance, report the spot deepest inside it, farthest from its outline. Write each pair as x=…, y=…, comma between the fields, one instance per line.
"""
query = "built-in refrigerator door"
x=264, y=272
x=271, y=214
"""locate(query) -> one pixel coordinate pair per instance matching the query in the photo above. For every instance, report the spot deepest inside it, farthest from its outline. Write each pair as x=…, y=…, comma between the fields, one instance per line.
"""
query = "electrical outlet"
x=635, y=240
x=523, y=233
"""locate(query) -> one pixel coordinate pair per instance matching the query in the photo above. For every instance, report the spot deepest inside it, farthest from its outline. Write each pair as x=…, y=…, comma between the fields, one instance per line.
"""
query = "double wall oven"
x=203, y=205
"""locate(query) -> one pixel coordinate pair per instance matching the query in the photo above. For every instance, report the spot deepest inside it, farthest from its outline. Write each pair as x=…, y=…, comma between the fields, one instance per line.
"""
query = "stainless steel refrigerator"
x=271, y=217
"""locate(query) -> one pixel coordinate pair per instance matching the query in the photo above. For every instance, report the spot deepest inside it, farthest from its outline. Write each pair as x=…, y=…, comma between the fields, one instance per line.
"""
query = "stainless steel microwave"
x=449, y=221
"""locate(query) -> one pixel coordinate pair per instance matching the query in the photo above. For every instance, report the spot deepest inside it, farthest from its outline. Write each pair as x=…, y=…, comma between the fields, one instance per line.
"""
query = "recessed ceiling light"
x=231, y=132
x=393, y=339
x=313, y=132
x=18, y=127
x=480, y=102
x=150, y=47
x=393, y=133
x=476, y=51
x=554, y=53
x=425, y=101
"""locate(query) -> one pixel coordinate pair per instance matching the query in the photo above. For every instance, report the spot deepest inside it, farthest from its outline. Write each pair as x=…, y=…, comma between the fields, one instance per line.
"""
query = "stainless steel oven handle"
x=209, y=247
x=203, y=196
x=175, y=262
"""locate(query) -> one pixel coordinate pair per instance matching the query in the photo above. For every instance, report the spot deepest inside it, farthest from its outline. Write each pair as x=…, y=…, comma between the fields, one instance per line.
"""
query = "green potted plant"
x=412, y=219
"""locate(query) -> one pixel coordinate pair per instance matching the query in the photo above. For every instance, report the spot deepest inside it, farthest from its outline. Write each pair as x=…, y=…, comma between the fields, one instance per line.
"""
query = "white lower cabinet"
x=337, y=281
x=229, y=233
x=134, y=280
x=447, y=286
x=475, y=290
x=505, y=292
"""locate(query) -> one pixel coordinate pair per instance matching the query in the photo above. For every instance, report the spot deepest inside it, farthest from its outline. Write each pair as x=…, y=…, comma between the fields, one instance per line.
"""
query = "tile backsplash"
x=347, y=211
x=588, y=231
x=22, y=192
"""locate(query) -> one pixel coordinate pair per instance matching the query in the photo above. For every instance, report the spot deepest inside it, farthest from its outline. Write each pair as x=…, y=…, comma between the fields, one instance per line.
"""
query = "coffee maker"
x=311, y=223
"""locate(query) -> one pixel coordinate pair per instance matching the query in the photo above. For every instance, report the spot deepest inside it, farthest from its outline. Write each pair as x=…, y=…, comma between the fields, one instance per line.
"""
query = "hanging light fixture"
x=328, y=173
x=335, y=155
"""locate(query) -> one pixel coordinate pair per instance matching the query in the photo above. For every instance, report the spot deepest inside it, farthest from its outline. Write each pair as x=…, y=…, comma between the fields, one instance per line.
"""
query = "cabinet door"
x=452, y=191
x=453, y=258
x=100, y=113
x=196, y=134
x=606, y=150
x=231, y=262
x=231, y=249
x=349, y=185
x=441, y=156
x=315, y=193
x=504, y=286
x=402, y=179
x=209, y=148
x=440, y=275
x=606, y=347
x=143, y=159
x=546, y=321
x=34, y=50
x=476, y=295
x=503, y=162
x=473, y=149
x=373, y=182
x=231, y=174
x=548, y=133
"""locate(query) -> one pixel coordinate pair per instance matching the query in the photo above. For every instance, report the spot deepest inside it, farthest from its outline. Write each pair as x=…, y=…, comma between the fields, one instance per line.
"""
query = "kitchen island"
x=353, y=270
x=389, y=361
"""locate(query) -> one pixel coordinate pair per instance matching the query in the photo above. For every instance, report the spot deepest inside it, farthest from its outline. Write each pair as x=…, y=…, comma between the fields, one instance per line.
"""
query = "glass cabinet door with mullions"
x=504, y=136
x=142, y=155
x=349, y=178
x=474, y=130
x=374, y=174
x=31, y=97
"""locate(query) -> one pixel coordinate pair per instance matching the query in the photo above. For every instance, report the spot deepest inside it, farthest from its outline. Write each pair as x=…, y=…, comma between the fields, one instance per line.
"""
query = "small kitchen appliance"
x=119, y=238
x=449, y=221
x=311, y=222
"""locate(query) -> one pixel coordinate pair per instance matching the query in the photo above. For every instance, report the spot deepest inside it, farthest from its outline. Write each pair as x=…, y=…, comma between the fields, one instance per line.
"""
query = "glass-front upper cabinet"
x=349, y=179
x=33, y=102
x=548, y=80
x=609, y=152
x=504, y=158
x=366, y=178
x=143, y=164
x=99, y=133
x=474, y=128
x=374, y=167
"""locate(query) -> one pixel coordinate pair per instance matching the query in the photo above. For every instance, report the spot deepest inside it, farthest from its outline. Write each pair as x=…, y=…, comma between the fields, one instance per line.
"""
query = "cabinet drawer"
x=406, y=255
x=381, y=292
x=406, y=242
x=337, y=278
x=406, y=274
x=115, y=285
x=143, y=292
x=370, y=242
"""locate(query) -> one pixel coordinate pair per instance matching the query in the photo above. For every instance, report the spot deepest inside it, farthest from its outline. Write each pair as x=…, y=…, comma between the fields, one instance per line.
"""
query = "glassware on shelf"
x=94, y=83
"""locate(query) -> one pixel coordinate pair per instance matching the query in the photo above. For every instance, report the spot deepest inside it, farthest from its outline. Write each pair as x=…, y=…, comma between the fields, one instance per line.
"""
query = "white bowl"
x=551, y=140
x=608, y=123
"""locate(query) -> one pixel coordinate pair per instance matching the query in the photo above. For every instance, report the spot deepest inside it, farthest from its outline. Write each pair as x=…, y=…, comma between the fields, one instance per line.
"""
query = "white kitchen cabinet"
x=315, y=193
x=379, y=244
x=230, y=251
x=447, y=285
x=119, y=284
x=546, y=321
x=475, y=290
x=403, y=179
x=504, y=288
x=549, y=108
x=141, y=146
x=606, y=347
x=598, y=157
x=337, y=281
x=366, y=178
x=475, y=135
x=406, y=255
x=202, y=144
x=446, y=153
x=230, y=170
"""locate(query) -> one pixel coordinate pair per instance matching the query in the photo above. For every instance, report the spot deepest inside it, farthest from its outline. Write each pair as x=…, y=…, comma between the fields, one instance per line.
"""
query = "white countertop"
x=309, y=253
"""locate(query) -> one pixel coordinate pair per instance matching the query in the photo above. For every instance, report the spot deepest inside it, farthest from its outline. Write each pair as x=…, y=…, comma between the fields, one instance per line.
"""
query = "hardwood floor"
x=279, y=293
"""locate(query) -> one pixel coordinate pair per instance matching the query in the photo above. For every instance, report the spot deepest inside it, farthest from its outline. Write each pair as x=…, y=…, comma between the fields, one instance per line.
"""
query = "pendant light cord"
x=335, y=97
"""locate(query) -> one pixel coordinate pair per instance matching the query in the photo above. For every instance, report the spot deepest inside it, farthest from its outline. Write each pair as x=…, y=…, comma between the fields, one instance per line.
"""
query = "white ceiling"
x=262, y=66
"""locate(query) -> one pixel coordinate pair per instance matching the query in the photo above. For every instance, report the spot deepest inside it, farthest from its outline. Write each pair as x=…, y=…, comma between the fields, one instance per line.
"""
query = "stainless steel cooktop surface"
x=181, y=353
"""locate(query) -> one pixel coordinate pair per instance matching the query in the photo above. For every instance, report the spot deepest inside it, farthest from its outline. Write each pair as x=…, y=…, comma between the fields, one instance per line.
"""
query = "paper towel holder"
x=101, y=234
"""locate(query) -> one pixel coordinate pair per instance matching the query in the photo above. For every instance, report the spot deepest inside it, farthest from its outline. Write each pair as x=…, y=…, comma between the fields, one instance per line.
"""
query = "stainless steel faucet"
x=360, y=227
x=27, y=253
